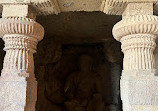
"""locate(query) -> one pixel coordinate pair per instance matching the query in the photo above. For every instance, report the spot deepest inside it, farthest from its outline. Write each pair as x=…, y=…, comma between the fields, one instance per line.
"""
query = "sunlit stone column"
x=18, y=86
x=137, y=32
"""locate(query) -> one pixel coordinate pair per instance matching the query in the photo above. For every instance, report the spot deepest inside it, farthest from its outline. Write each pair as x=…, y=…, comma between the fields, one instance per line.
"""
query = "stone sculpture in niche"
x=53, y=76
x=83, y=89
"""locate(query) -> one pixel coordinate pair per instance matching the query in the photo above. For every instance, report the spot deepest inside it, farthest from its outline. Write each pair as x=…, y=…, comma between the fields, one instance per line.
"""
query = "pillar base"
x=12, y=93
x=12, y=108
x=17, y=95
x=139, y=90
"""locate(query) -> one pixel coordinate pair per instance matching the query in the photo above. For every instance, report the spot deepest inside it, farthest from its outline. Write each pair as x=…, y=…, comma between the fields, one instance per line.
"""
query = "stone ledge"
x=14, y=1
x=117, y=7
x=42, y=7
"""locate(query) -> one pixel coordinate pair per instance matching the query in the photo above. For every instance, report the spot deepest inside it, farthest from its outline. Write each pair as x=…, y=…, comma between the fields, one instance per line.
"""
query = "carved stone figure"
x=83, y=88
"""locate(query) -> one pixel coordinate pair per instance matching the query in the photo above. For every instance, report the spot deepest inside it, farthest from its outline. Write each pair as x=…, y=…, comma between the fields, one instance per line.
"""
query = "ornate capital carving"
x=21, y=42
x=21, y=36
x=138, y=51
x=22, y=26
x=139, y=24
x=137, y=32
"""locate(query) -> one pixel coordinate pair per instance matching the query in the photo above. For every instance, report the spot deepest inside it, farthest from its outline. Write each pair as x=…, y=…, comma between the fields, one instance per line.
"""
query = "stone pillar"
x=21, y=33
x=137, y=32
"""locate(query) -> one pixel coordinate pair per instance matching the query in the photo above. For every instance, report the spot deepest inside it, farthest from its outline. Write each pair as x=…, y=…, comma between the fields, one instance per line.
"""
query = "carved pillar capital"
x=21, y=36
x=137, y=24
x=22, y=26
x=137, y=32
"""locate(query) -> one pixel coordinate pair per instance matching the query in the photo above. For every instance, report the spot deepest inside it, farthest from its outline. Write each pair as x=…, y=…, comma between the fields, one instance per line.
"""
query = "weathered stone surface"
x=46, y=7
x=11, y=10
x=139, y=90
x=138, y=8
x=10, y=96
x=139, y=93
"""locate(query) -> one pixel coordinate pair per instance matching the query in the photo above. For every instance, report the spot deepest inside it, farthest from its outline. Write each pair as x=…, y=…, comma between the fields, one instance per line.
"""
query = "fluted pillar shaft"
x=18, y=86
x=138, y=51
x=137, y=32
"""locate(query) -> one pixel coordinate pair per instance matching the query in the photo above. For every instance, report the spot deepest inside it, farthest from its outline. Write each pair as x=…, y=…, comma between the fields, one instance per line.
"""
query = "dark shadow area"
x=71, y=84
x=2, y=54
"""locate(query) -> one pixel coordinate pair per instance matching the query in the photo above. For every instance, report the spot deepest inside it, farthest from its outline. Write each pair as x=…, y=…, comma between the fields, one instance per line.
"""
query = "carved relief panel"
x=73, y=77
